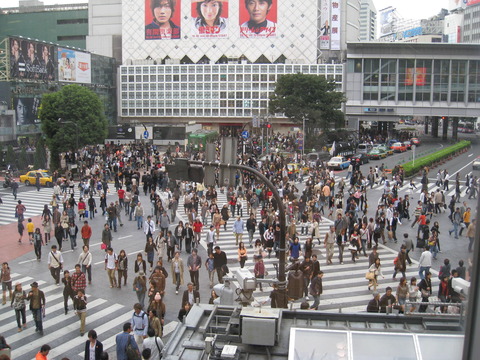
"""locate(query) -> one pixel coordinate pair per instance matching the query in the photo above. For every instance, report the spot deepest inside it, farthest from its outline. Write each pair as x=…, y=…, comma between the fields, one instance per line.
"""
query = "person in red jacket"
x=121, y=197
x=197, y=232
x=86, y=233
x=81, y=208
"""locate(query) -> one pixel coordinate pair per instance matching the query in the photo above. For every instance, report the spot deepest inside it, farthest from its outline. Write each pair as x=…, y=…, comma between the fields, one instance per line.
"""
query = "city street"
x=344, y=285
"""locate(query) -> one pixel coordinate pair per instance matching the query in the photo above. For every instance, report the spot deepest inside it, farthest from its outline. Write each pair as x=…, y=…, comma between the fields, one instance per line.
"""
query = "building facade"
x=60, y=24
x=385, y=81
x=368, y=21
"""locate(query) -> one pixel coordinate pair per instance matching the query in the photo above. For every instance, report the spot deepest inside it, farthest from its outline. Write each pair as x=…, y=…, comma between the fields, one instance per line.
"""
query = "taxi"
x=399, y=147
x=338, y=162
x=30, y=178
x=294, y=168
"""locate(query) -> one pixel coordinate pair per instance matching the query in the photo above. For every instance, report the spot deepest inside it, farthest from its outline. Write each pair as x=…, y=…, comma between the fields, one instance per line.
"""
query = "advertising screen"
x=162, y=19
x=209, y=18
x=26, y=109
x=31, y=60
x=258, y=18
x=416, y=75
x=387, y=20
x=74, y=66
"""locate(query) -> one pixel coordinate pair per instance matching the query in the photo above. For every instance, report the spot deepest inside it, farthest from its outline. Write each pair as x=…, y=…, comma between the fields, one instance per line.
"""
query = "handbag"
x=131, y=353
x=103, y=246
x=352, y=247
x=425, y=293
x=370, y=275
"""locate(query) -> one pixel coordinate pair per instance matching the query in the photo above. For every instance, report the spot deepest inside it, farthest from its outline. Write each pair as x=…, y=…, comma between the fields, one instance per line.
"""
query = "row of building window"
x=191, y=112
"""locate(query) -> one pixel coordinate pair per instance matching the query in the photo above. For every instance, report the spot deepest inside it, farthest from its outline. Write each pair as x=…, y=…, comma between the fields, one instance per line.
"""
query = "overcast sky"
x=413, y=9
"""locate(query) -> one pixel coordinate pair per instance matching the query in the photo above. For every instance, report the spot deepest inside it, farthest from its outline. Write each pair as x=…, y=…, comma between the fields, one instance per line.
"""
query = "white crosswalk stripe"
x=344, y=286
x=60, y=330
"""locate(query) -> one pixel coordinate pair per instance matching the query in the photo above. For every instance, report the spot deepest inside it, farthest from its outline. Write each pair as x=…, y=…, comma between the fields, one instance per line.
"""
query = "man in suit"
x=190, y=295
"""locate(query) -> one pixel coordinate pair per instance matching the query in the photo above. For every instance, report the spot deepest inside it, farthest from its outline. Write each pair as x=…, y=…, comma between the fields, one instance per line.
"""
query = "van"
x=364, y=148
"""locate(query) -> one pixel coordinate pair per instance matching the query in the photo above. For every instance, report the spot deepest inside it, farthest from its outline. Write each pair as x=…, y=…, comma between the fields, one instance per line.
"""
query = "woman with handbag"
x=413, y=293
x=425, y=288
x=372, y=274
x=354, y=246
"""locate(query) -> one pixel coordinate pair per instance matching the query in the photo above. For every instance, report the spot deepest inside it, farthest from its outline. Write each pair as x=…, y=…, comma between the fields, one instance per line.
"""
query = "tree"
x=10, y=157
x=74, y=115
x=40, y=157
x=22, y=159
x=309, y=97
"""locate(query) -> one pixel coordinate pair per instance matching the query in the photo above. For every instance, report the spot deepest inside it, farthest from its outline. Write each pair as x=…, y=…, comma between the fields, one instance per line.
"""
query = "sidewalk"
x=10, y=248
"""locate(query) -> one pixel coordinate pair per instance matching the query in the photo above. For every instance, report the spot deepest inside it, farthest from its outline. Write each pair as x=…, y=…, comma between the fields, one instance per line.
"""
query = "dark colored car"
x=360, y=159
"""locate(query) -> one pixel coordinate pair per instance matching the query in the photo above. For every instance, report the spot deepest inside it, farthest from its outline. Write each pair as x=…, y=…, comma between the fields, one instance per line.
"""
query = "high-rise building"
x=368, y=21
x=471, y=22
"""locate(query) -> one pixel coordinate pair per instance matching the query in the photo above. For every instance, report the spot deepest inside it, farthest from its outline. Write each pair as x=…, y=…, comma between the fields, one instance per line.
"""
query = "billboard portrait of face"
x=26, y=110
x=258, y=18
x=210, y=18
x=17, y=60
x=162, y=19
x=66, y=65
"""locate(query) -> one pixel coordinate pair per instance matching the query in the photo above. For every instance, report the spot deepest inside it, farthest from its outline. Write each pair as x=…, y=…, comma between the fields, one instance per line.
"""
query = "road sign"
x=146, y=134
x=245, y=134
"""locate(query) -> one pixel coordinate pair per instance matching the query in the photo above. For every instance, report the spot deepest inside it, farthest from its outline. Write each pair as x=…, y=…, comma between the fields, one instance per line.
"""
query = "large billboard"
x=387, y=21
x=162, y=19
x=258, y=18
x=32, y=60
x=74, y=66
x=209, y=18
x=26, y=110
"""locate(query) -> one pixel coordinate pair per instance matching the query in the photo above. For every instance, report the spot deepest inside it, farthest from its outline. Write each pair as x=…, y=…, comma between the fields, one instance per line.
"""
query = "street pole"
x=282, y=283
x=303, y=137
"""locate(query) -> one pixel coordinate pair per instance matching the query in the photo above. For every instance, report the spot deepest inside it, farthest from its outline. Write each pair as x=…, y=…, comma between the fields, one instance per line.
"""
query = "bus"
x=466, y=127
x=200, y=138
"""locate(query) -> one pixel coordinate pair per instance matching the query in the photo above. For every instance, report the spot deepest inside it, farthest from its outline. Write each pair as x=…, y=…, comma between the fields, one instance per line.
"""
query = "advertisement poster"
x=325, y=25
x=335, y=24
x=162, y=19
x=416, y=75
x=26, y=109
x=31, y=60
x=258, y=18
x=210, y=18
x=74, y=66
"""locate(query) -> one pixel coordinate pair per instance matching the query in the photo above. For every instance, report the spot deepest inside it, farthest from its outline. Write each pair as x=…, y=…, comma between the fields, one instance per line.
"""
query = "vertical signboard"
x=325, y=24
x=210, y=18
x=162, y=19
x=258, y=18
x=335, y=20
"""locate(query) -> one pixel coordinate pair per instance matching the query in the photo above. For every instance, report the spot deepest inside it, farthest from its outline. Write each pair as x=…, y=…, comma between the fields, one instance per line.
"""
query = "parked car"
x=408, y=144
x=30, y=178
x=386, y=149
x=360, y=159
x=364, y=148
x=377, y=154
x=399, y=147
x=415, y=141
x=476, y=163
x=338, y=162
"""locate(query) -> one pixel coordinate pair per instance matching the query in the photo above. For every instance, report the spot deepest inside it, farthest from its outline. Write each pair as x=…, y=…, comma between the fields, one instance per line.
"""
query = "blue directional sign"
x=245, y=134
x=145, y=134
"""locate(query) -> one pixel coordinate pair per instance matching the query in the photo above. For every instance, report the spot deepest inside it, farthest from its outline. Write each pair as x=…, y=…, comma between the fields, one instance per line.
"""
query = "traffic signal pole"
x=282, y=299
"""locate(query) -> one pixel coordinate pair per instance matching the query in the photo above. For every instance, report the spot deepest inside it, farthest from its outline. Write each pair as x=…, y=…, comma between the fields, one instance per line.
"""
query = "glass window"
x=441, y=71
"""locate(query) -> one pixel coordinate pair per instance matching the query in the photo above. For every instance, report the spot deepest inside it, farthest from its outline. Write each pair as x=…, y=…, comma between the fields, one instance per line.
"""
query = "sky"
x=413, y=9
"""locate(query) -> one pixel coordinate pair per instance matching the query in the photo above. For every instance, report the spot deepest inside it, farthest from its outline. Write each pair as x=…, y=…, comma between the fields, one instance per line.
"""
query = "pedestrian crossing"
x=344, y=285
x=61, y=331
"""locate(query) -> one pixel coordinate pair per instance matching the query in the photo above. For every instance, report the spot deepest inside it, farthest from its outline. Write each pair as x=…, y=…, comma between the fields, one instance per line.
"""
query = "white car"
x=338, y=162
x=476, y=164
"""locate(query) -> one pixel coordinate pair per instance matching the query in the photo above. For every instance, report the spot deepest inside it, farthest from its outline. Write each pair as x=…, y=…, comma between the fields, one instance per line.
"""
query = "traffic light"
x=268, y=125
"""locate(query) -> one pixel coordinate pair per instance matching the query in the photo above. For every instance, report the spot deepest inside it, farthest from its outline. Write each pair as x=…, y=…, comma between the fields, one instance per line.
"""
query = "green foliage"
x=22, y=159
x=428, y=160
x=40, y=157
x=10, y=156
x=308, y=97
x=82, y=119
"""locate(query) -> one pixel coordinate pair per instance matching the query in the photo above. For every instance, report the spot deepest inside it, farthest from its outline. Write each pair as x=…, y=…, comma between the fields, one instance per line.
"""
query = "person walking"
x=67, y=290
x=220, y=263
x=37, y=306
x=138, y=214
x=55, y=263
x=6, y=283
x=425, y=287
x=471, y=234
x=106, y=237
x=80, y=307
x=44, y=351
x=79, y=280
x=18, y=304
x=111, y=260
x=153, y=343
x=400, y=265
x=124, y=339
x=140, y=287
x=242, y=254
x=122, y=268
x=259, y=270
x=316, y=289
x=85, y=260
x=376, y=270
x=177, y=271
x=139, y=323
x=238, y=228
x=425, y=262
x=456, y=220
x=194, y=263
x=330, y=239
x=86, y=233
x=93, y=347
x=149, y=228
x=251, y=226
x=150, y=249
x=210, y=267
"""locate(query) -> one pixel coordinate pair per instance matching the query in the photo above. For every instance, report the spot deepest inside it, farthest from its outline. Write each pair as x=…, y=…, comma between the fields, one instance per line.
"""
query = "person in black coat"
x=93, y=343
